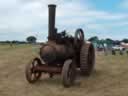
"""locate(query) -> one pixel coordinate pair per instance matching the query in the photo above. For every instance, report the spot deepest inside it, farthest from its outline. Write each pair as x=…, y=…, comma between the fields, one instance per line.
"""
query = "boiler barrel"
x=55, y=52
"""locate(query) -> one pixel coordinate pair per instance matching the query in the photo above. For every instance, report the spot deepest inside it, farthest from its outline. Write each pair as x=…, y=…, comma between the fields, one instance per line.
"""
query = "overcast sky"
x=102, y=18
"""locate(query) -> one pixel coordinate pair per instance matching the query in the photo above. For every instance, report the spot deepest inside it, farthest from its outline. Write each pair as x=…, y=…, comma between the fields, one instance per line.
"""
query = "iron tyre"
x=87, y=59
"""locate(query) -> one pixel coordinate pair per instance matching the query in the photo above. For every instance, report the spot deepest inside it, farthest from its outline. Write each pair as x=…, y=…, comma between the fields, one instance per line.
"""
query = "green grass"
x=110, y=77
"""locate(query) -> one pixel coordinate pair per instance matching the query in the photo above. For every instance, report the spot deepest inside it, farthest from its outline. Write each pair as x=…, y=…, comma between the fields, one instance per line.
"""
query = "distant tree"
x=109, y=41
x=31, y=39
x=93, y=39
x=125, y=40
x=15, y=42
x=7, y=42
x=102, y=41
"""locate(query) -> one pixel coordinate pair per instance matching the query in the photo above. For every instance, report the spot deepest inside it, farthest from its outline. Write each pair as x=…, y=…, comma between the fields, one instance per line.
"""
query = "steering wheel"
x=79, y=37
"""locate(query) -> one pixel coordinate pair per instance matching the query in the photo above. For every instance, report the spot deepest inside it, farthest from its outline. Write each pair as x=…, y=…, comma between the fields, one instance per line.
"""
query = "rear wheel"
x=68, y=73
x=87, y=59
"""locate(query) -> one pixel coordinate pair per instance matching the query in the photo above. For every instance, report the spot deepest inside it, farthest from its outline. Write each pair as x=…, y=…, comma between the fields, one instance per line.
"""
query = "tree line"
x=94, y=39
x=30, y=39
x=107, y=40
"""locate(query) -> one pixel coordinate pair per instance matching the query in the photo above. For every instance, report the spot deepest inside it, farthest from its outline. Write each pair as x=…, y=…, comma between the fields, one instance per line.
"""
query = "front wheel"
x=68, y=73
x=32, y=76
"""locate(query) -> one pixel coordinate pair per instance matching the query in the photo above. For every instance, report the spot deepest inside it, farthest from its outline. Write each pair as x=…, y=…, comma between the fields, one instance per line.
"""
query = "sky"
x=103, y=18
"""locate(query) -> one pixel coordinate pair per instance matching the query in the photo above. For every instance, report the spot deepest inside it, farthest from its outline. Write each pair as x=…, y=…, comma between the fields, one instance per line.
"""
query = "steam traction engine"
x=62, y=54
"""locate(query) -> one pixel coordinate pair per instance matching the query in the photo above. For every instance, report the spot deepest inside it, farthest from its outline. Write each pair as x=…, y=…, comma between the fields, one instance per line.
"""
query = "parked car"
x=118, y=48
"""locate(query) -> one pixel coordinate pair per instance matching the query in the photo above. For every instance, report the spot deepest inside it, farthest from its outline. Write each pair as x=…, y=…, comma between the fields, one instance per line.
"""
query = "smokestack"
x=51, y=25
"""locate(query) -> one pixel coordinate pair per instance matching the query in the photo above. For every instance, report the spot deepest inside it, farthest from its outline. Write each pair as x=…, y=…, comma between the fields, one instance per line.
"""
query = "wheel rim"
x=35, y=63
x=31, y=75
x=71, y=74
x=68, y=73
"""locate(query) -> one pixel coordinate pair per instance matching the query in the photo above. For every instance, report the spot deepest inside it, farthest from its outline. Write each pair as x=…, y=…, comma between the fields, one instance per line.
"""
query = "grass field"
x=110, y=77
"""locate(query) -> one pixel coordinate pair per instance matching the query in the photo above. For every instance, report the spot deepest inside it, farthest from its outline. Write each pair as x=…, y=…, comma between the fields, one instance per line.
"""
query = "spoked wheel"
x=68, y=73
x=32, y=76
x=87, y=59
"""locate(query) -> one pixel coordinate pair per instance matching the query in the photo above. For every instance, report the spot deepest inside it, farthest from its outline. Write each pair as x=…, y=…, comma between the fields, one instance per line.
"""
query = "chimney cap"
x=51, y=5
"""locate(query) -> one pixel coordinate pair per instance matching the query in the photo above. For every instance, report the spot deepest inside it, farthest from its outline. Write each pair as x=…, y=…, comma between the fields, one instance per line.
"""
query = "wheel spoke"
x=32, y=76
x=36, y=74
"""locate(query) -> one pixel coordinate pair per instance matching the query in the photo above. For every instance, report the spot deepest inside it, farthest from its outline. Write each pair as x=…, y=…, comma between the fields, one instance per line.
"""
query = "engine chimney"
x=51, y=25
